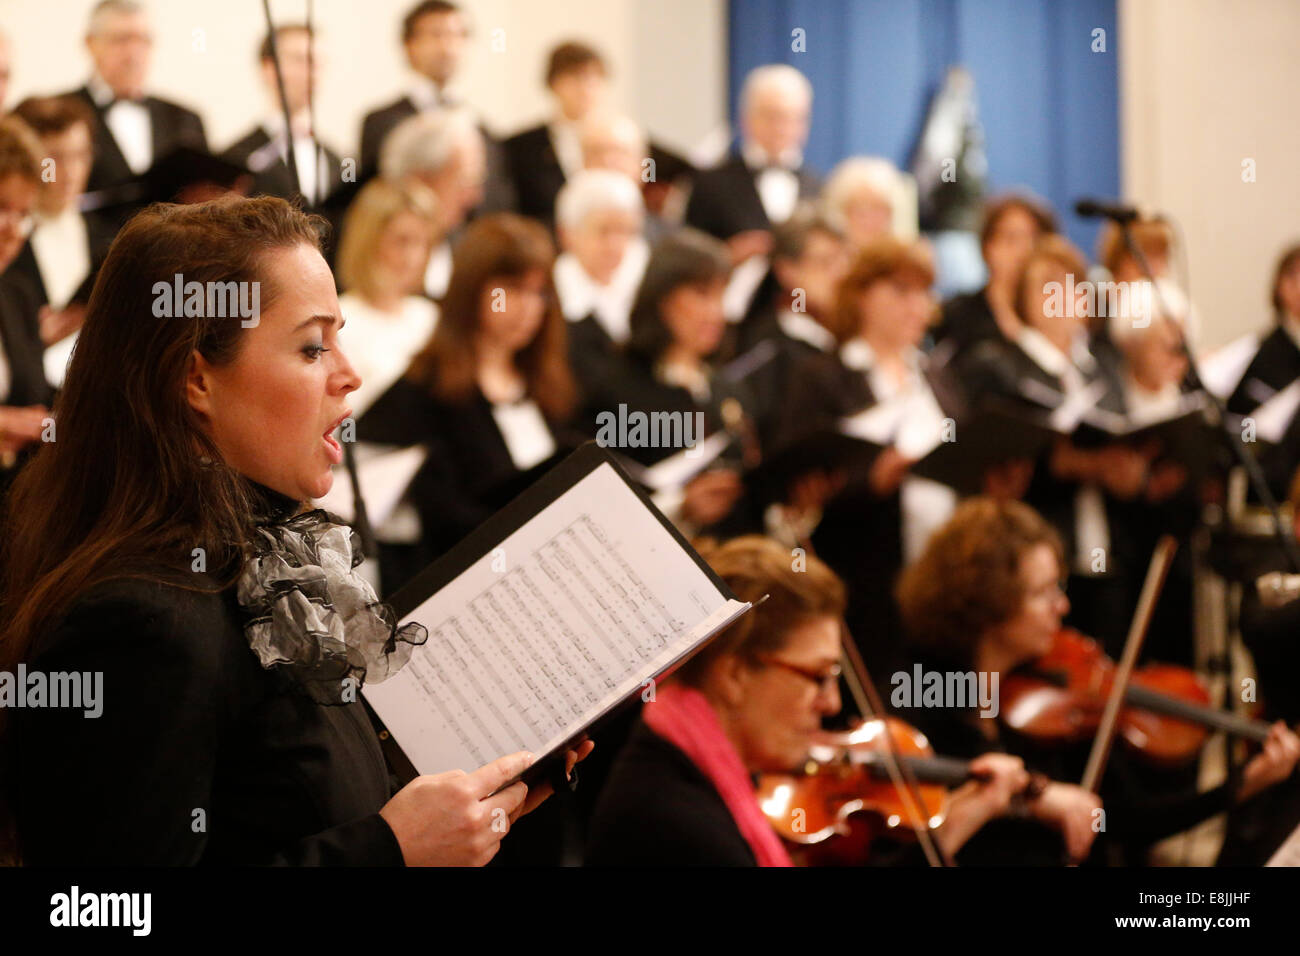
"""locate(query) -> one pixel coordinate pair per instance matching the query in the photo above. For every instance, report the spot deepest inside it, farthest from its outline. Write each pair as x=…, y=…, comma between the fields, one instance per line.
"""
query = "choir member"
x=228, y=731
x=987, y=597
x=541, y=158
x=133, y=129
x=866, y=197
x=66, y=245
x=388, y=235
x=1012, y=224
x=25, y=395
x=676, y=328
x=1277, y=362
x=435, y=34
x=1049, y=364
x=883, y=308
x=599, y=216
x=809, y=260
x=264, y=151
x=444, y=151
x=752, y=701
x=615, y=142
x=490, y=394
x=760, y=183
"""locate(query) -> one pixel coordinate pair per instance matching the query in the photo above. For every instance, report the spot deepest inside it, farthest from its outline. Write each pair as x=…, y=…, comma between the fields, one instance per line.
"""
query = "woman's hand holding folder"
x=458, y=818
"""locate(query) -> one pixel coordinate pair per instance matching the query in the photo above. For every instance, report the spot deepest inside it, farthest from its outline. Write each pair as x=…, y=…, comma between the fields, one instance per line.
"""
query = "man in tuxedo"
x=264, y=151
x=760, y=183
x=58, y=261
x=542, y=157
x=132, y=130
x=434, y=36
x=444, y=151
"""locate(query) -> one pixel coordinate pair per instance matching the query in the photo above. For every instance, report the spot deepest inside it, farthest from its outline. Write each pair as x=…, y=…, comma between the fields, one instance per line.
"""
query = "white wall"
x=668, y=58
x=1205, y=84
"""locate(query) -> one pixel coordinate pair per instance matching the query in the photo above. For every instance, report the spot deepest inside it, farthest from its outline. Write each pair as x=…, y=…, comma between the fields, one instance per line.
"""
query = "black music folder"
x=547, y=617
x=998, y=433
x=1185, y=436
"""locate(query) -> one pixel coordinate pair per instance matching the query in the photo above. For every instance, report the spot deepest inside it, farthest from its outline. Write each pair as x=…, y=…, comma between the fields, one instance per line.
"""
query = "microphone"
x=1103, y=209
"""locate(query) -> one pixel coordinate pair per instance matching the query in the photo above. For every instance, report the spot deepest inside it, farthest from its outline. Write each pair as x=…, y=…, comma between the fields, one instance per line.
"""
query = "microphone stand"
x=360, y=519
x=1244, y=458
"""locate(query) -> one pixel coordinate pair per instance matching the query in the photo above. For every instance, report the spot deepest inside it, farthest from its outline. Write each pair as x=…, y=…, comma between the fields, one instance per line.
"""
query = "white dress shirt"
x=437, y=275
x=523, y=427
x=62, y=252
x=312, y=168
x=130, y=124
x=567, y=143
x=777, y=184
x=801, y=326
x=380, y=345
x=610, y=304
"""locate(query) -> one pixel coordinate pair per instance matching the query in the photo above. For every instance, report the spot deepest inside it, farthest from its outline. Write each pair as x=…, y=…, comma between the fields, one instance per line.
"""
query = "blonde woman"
x=388, y=236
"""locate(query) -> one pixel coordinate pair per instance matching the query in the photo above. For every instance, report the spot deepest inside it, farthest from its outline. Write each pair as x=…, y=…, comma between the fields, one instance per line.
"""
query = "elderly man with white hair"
x=599, y=217
x=760, y=184
x=132, y=129
x=444, y=151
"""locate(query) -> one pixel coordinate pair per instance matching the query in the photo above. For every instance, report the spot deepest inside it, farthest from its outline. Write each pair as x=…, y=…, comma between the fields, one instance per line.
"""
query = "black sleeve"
x=122, y=788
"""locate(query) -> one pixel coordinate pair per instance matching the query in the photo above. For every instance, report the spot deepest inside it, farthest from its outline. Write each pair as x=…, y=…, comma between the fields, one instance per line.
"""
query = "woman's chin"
x=319, y=487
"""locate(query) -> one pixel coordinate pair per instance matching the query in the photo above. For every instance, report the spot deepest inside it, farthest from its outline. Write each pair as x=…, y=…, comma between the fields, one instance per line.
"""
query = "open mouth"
x=331, y=443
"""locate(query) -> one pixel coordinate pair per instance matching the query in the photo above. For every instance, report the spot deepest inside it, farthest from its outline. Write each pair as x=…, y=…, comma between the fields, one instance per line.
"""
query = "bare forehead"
x=300, y=279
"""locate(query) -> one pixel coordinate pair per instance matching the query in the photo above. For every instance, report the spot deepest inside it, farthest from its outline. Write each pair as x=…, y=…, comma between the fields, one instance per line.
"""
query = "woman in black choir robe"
x=883, y=308
x=1010, y=227
x=752, y=701
x=665, y=395
x=600, y=216
x=1050, y=365
x=987, y=596
x=221, y=723
x=490, y=394
x=1275, y=366
x=25, y=395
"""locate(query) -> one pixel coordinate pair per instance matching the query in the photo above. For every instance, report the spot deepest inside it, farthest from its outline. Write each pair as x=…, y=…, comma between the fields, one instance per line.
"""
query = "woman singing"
x=158, y=547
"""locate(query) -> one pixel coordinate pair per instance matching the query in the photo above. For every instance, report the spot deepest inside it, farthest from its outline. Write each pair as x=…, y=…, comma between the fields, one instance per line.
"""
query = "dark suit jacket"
x=724, y=200
x=173, y=126
x=658, y=809
x=1275, y=366
x=99, y=236
x=276, y=179
x=535, y=171
x=498, y=191
x=190, y=722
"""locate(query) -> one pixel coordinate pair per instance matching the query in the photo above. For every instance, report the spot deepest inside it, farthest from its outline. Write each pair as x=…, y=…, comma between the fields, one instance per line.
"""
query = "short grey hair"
x=594, y=190
x=426, y=142
x=107, y=8
x=773, y=76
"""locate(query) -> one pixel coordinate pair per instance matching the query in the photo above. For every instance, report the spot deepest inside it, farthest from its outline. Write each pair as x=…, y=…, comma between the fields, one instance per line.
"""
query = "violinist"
x=751, y=701
x=986, y=597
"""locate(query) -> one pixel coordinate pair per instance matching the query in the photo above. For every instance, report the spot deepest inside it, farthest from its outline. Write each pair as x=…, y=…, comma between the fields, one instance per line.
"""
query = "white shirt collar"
x=610, y=304
x=756, y=157
x=1051, y=359
x=426, y=94
x=805, y=328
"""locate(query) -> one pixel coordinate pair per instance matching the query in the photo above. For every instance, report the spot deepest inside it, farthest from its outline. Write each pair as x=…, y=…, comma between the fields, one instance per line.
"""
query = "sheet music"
x=569, y=616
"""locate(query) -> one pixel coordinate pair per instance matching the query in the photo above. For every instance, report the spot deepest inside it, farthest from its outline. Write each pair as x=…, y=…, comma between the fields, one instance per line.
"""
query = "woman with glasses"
x=752, y=701
x=987, y=597
x=489, y=395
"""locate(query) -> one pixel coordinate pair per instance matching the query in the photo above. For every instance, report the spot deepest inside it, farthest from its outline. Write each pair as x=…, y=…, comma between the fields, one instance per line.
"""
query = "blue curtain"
x=1049, y=105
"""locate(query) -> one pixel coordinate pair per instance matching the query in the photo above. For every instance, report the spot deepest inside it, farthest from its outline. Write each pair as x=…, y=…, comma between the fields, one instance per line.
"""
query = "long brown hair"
x=498, y=246
x=132, y=483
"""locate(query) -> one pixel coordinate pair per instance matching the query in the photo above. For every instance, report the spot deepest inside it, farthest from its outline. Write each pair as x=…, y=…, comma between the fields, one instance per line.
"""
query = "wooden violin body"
x=1166, y=715
x=845, y=795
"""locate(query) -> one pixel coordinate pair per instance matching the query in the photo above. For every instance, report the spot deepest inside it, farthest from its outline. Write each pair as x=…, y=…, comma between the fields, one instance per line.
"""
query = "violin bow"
x=871, y=706
x=1161, y=558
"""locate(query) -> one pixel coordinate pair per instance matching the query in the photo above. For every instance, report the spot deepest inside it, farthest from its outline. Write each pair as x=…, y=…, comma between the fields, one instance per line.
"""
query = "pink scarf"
x=684, y=717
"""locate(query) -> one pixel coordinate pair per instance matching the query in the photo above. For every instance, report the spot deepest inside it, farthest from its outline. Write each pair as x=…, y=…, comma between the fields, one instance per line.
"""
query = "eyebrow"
x=325, y=319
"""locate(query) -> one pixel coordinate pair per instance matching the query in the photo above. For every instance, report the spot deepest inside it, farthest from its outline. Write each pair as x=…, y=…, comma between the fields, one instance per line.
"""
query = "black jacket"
x=99, y=236
x=1275, y=366
x=199, y=756
x=658, y=809
x=725, y=201
x=535, y=172
x=275, y=178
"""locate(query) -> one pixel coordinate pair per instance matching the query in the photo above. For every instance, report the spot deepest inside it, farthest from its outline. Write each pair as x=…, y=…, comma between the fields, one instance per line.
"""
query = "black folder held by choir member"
x=1184, y=437
x=565, y=604
x=823, y=451
x=167, y=179
x=994, y=435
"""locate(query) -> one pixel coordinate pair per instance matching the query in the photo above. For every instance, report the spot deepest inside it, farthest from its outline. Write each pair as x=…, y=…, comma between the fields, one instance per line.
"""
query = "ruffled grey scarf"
x=312, y=617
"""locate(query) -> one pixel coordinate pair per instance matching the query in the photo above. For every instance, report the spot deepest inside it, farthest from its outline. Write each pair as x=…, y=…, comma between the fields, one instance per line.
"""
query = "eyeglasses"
x=826, y=681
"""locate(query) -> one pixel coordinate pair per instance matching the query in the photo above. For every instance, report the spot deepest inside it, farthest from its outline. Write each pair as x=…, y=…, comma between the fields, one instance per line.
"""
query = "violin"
x=1165, y=716
x=845, y=796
